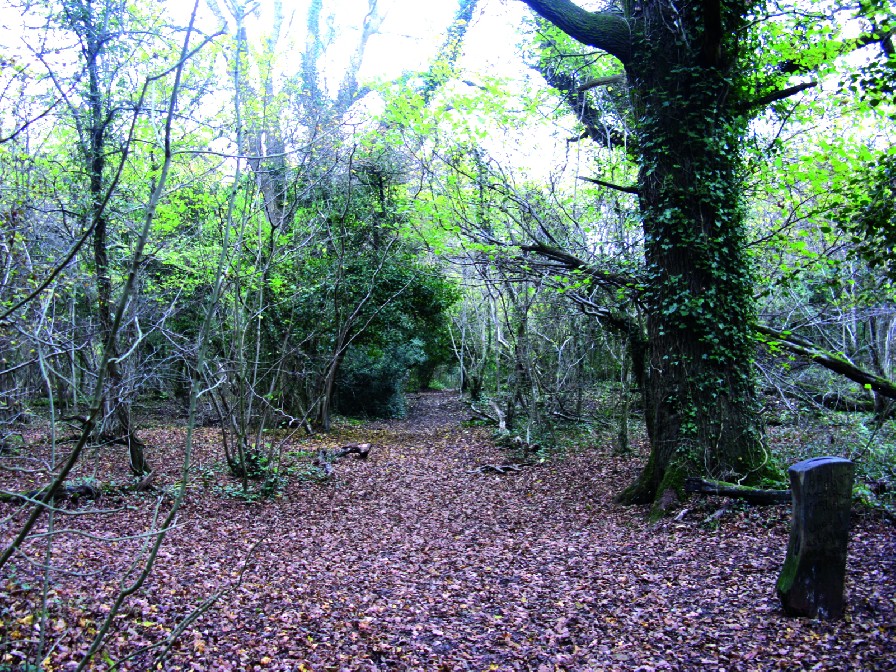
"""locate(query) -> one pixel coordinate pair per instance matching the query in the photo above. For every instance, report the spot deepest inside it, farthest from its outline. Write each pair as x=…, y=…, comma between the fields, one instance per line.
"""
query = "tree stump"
x=811, y=580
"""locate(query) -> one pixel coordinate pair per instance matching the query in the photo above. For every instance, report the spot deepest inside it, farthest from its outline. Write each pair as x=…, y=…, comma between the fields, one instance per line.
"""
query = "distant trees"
x=302, y=252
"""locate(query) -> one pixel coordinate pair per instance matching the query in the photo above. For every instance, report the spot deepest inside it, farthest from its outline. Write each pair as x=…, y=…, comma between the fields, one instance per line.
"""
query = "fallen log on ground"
x=362, y=450
x=62, y=493
x=746, y=493
x=324, y=458
x=76, y=492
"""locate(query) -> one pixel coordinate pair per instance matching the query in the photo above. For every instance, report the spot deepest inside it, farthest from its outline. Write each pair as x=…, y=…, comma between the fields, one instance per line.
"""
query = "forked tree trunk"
x=118, y=424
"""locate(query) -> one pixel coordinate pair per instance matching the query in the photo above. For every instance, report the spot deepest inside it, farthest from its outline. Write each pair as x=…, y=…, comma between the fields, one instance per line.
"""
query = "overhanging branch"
x=605, y=30
x=828, y=360
x=610, y=185
x=774, y=96
x=576, y=97
x=570, y=262
x=601, y=81
x=616, y=319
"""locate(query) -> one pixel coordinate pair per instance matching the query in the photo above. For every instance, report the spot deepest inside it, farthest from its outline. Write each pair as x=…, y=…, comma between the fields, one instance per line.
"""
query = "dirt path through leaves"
x=409, y=562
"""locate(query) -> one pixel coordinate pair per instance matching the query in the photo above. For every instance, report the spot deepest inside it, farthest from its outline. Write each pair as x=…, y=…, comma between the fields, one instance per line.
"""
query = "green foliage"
x=872, y=82
x=871, y=215
x=872, y=446
x=269, y=475
x=372, y=380
x=869, y=443
x=345, y=280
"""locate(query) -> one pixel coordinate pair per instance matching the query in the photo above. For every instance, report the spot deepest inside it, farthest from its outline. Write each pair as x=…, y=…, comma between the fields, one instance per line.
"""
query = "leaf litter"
x=408, y=561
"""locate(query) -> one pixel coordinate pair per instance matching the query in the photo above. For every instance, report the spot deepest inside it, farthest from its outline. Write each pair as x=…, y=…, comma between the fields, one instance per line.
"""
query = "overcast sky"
x=411, y=33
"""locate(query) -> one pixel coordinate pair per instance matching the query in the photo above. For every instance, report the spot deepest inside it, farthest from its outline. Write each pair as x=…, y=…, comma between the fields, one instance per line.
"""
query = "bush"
x=372, y=380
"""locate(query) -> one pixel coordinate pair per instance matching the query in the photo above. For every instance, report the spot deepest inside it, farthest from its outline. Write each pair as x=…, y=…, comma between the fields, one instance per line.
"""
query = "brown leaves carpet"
x=406, y=561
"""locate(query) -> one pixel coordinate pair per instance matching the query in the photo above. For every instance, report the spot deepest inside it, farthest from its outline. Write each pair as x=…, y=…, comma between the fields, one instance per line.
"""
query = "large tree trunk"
x=683, y=73
x=701, y=399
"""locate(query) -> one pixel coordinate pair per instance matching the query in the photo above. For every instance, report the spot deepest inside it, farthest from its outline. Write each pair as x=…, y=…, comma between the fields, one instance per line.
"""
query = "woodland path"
x=409, y=562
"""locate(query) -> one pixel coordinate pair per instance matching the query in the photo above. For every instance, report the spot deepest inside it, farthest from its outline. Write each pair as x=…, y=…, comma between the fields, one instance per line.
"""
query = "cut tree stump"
x=812, y=578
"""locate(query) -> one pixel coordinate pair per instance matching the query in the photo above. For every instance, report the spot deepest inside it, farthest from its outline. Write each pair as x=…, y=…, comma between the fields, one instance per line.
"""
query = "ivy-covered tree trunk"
x=686, y=94
x=117, y=425
x=701, y=400
x=684, y=75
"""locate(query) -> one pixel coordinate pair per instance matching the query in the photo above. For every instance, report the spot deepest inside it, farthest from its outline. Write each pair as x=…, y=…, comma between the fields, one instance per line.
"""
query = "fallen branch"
x=324, y=458
x=518, y=443
x=482, y=415
x=145, y=483
x=748, y=494
x=500, y=468
x=62, y=493
x=322, y=462
x=362, y=450
x=77, y=491
x=829, y=360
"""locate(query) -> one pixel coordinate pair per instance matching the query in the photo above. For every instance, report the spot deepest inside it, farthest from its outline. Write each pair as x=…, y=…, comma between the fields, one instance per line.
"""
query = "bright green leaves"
x=871, y=219
x=873, y=79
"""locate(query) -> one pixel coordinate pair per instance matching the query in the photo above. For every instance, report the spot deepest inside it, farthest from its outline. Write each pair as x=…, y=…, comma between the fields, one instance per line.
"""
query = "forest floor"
x=411, y=560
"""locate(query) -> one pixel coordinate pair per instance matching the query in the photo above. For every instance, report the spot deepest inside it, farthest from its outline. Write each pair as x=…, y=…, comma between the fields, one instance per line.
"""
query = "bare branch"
x=610, y=185
x=28, y=123
x=830, y=360
x=774, y=96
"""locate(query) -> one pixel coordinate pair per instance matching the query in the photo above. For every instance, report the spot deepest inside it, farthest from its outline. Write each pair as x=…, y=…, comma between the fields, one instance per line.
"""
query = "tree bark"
x=683, y=80
x=812, y=578
x=118, y=410
x=607, y=31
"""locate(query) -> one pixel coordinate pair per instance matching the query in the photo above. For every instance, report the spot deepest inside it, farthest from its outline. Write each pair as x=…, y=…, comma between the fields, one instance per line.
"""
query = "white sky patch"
x=411, y=33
